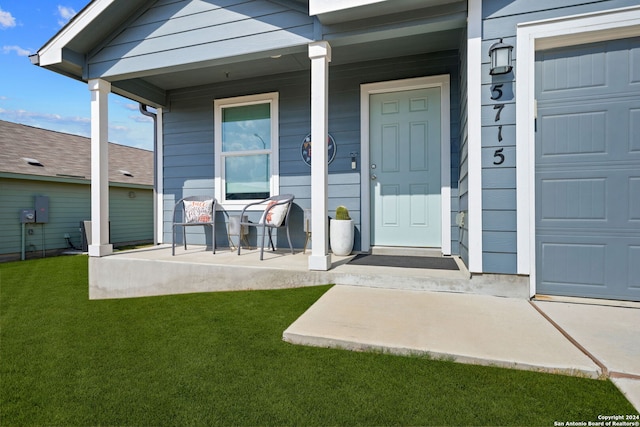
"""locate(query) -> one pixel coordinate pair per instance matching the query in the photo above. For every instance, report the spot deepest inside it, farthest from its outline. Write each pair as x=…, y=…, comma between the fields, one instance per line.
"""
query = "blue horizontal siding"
x=130, y=214
x=170, y=33
x=499, y=221
x=499, y=199
x=189, y=124
x=490, y=135
x=462, y=237
x=500, y=19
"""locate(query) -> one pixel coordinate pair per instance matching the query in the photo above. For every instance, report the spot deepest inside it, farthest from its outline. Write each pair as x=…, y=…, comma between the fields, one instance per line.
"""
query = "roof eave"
x=66, y=52
x=68, y=180
x=52, y=51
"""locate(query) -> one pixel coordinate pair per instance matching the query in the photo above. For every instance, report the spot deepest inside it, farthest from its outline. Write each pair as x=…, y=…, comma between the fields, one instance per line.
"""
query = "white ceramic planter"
x=341, y=235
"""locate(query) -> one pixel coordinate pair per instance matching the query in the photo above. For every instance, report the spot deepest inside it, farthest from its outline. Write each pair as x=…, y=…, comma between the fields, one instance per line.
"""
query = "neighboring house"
x=37, y=162
x=533, y=174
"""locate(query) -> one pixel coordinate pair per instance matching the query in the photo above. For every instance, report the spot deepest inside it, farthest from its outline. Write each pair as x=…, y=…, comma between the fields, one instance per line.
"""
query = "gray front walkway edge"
x=477, y=329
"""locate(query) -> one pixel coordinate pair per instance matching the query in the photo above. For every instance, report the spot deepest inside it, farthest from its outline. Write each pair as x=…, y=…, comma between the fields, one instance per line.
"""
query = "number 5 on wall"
x=498, y=154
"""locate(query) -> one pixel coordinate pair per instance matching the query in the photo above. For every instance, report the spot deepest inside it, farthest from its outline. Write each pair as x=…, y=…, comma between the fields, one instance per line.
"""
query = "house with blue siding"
x=48, y=174
x=527, y=170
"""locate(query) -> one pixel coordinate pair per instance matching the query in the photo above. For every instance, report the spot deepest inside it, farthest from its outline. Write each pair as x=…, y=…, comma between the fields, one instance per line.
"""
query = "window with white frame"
x=246, y=148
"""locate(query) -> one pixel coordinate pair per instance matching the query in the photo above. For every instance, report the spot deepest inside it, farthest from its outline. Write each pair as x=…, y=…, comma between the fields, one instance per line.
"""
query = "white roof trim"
x=51, y=52
x=318, y=7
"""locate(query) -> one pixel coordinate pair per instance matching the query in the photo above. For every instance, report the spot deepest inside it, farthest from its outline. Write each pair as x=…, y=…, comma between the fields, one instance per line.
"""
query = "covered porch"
x=153, y=271
x=181, y=57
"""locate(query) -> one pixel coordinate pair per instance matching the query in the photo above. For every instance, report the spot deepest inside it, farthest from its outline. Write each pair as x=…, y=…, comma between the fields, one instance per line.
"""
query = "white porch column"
x=159, y=230
x=474, y=131
x=100, y=245
x=320, y=55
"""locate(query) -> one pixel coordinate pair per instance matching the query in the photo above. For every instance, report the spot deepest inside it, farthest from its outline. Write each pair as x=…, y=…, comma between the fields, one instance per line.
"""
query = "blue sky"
x=38, y=97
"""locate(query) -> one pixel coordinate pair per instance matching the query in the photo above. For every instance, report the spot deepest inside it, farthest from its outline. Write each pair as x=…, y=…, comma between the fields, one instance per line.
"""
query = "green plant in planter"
x=342, y=213
x=341, y=232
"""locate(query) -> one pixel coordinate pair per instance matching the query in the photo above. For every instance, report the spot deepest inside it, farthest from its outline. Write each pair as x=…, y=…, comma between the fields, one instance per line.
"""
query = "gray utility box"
x=27, y=216
x=42, y=209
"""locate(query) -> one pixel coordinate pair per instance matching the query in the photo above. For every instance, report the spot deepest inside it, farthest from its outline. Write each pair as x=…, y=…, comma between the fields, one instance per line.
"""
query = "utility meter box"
x=27, y=216
x=42, y=209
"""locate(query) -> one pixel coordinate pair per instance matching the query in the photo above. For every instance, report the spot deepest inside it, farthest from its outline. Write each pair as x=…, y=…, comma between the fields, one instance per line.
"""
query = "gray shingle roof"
x=64, y=155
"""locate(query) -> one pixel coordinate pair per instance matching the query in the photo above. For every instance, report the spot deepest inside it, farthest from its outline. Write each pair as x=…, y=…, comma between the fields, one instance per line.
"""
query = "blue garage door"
x=588, y=170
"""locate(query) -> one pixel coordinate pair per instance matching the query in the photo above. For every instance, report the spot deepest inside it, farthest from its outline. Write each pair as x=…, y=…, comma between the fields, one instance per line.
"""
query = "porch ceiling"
x=297, y=59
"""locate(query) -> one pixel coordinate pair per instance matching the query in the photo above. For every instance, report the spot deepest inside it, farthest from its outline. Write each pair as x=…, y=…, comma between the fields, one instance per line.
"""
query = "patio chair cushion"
x=197, y=211
x=275, y=216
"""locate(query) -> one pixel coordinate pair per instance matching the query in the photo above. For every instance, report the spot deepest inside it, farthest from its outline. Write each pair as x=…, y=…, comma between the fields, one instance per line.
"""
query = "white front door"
x=405, y=168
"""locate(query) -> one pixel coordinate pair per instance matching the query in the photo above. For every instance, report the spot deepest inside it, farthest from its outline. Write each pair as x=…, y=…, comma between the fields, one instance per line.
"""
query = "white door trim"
x=366, y=90
x=538, y=35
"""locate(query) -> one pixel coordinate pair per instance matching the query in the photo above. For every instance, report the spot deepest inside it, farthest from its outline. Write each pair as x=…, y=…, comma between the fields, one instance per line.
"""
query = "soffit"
x=299, y=61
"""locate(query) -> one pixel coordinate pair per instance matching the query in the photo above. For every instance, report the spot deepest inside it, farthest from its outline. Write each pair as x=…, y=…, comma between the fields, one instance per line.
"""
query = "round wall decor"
x=305, y=149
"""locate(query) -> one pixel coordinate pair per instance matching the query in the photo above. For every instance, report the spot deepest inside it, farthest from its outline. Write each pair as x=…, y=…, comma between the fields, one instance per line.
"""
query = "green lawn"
x=218, y=359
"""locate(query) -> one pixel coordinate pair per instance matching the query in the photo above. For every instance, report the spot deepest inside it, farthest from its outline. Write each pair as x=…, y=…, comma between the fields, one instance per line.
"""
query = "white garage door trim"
x=532, y=36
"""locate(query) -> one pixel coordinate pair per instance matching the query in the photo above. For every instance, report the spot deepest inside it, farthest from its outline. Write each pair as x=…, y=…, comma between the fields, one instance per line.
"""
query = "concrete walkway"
x=567, y=338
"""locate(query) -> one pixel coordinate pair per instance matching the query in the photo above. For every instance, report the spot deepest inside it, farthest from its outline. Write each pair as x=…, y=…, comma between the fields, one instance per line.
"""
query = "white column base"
x=320, y=263
x=100, y=250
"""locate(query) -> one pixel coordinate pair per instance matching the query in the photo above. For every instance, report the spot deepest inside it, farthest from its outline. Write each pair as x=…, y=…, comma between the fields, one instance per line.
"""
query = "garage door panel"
x=589, y=130
x=602, y=199
x=575, y=133
x=634, y=129
x=564, y=70
x=634, y=201
x=588, y=170
x=634, y=64
x=633, y=267
x=573, y=199
x=589, y=266
x=596, y=69
x=573, y=264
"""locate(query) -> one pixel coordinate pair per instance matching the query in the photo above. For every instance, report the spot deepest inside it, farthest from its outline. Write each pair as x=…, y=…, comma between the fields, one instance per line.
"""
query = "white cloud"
x=130, y=106
x=141, y=119
x=131, y=133
x=66, y=13
x=118, y=128
x=17, y=49
x=6, y=19
x=74, y=125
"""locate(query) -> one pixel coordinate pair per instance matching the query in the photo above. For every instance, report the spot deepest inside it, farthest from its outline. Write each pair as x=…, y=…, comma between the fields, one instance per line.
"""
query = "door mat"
x=433, y=263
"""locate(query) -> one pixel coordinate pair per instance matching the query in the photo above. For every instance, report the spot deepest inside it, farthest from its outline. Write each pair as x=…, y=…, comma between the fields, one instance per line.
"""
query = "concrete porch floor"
x=154, y=271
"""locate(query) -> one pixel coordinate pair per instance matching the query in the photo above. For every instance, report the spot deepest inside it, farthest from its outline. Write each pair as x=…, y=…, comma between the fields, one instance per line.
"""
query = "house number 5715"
x=496, y=94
